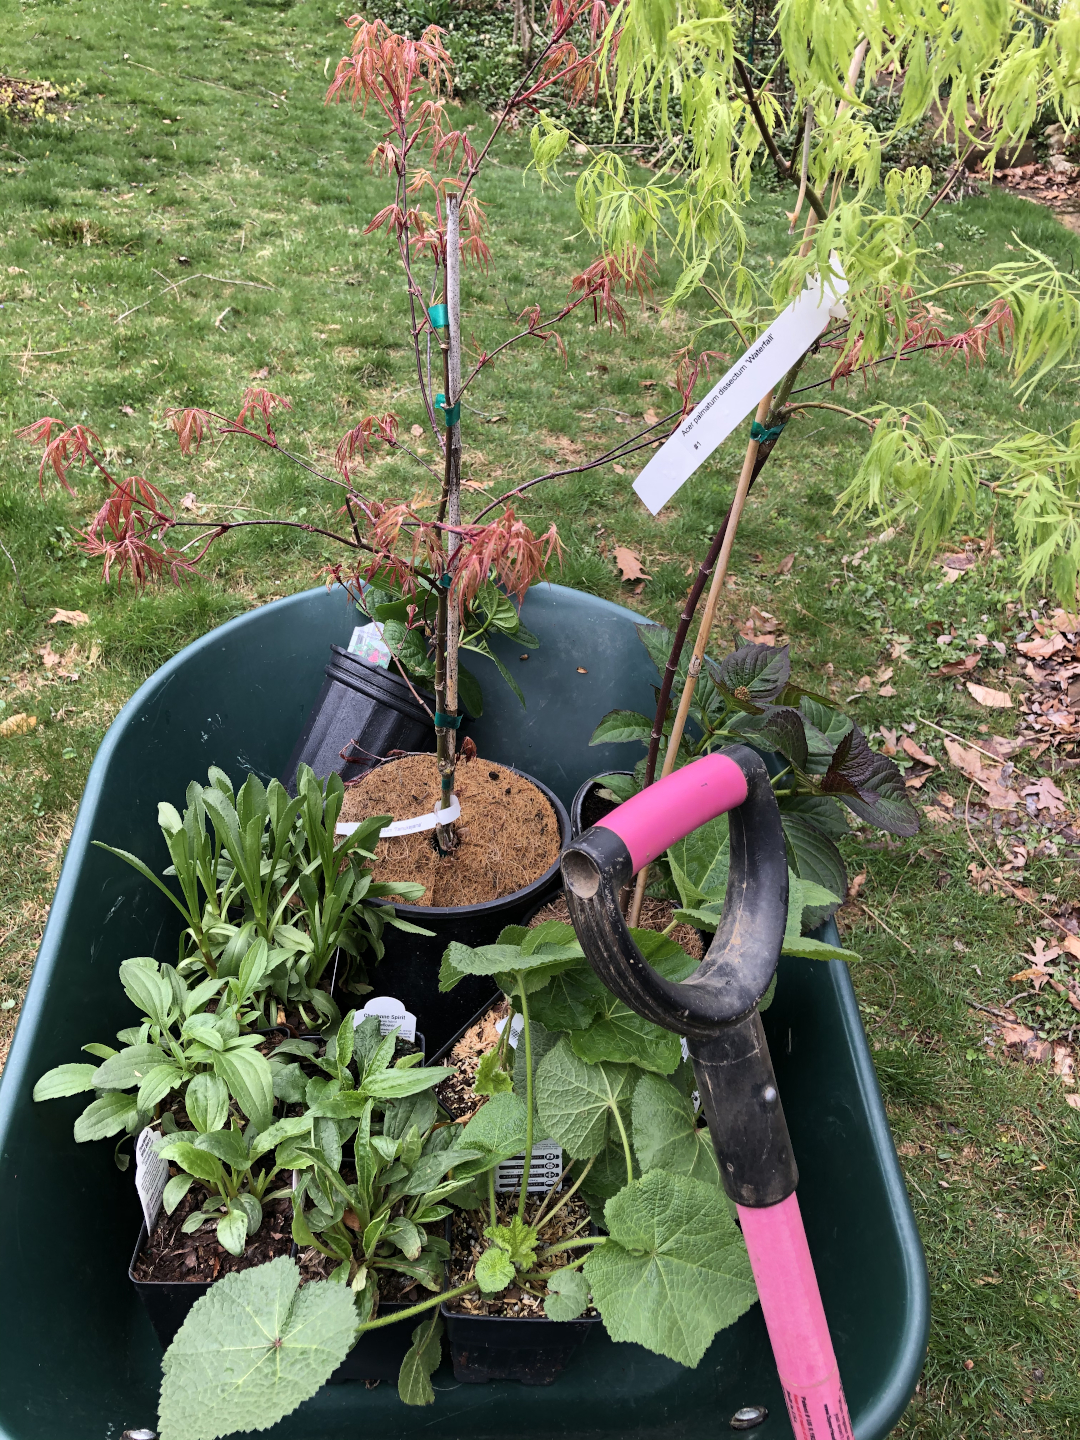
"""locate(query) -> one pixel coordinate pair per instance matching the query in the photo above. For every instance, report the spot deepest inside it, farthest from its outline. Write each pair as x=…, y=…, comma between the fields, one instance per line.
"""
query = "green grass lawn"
x=197, y=145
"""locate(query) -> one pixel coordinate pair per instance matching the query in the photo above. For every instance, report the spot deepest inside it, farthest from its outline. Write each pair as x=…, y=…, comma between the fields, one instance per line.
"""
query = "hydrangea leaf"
x=871, y=785
x=251, y=1350
x=674, y=1269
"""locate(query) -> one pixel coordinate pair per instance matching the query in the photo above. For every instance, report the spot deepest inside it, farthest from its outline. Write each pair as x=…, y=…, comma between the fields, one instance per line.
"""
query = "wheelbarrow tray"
x=78, y=1356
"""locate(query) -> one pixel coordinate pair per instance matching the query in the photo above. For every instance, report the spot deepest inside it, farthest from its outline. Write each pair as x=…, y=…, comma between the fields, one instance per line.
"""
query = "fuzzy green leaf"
x=251, y=1083
x=666, y=1136
x=498, y=1127
x=674, y=1270
x=252, y=1349
x=568, y=1295
x=420, y=1363
x=129, y=1068
x=577, y=1102
x=65, y=1080
x=494, y=1271
x=491, y=1078
x=699, y=863
x=571, y=1000
x=622, y=1036
x=207, y=1102
x=106, y=1116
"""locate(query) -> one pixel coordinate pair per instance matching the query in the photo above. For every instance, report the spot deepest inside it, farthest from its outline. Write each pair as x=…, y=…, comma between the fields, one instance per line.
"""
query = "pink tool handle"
x=666, y=812
x=795, y=1319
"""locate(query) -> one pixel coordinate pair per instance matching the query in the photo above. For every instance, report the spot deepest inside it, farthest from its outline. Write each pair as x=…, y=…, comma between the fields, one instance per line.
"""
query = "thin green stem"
x=525, y=1030
x=419, y=1309
x=543, y=1219
x=625, y=1144
x=562, y=1245
x=491, y=1197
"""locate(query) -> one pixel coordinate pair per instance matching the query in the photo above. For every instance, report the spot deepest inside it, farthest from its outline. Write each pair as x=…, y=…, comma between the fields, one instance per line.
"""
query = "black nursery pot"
x=167, y=1302
x=500, y=1347
x=409, y=970
x=589, y=806
x=366, y=712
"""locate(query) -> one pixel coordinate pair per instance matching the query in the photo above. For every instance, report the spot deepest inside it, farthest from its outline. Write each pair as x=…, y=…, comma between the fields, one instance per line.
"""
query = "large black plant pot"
x=362, y=713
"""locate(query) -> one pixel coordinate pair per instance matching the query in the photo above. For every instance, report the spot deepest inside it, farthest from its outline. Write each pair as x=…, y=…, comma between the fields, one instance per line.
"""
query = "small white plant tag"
x=392, y=1015
x=546, y=1167
x=151, y=1174
x=516, y=1027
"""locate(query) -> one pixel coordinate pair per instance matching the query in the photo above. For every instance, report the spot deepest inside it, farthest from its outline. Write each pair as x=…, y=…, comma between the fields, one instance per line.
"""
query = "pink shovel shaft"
x=795, y=1319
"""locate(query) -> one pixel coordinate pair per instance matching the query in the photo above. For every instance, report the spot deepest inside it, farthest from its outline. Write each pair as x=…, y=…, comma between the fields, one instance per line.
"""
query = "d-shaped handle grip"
x=740, y=962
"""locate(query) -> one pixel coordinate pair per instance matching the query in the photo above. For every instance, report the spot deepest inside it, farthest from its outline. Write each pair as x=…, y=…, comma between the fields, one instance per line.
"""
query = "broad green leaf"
x=232, y=1230
x=827, y=815
x=871, y=785
x=393, y=1084
x=674, y=1270
x=699, y=862
x=420, y=1363
x=666, y=1136
x=570, y=1000
x=813, y=856
x=568, y=1294
x=542, y=1040
x=577, y=1102
x=248, y=1076
x=129, y=1068
x=469, y=692
x=657, y=641
x=200, y=1163
x=160, y=1079
x=498, y=1127
x=251, y=1350
x=207, y=1102
x=291, y=1128
x=175, y=1190
x=551, y=933
x=623, y=787
x=146, y=988
x=494, y=1271
x=65, y=1080
x=107, y=1116
x=607, y=1177
x=498, y=959
x=825, y=728
x=778, y=727
x=229, y=1146
x=620, y=1035
x=618, y=726
x=404, y=1234
x=805, y=897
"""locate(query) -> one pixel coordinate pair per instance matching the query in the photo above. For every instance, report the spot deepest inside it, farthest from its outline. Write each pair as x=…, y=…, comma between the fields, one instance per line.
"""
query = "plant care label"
x=546, y=1167
x=732, y=398
x=392, y=1016
x=412, y=826
x=516, y=1027
x=367, y=643
x=151, y=1174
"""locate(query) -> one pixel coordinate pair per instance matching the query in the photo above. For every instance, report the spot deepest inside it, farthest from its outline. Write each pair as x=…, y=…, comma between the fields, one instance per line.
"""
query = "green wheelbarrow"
x=78, y=1357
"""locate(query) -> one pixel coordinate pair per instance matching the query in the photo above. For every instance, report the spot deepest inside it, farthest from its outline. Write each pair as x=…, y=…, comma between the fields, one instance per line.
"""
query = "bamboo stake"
x=704, y=630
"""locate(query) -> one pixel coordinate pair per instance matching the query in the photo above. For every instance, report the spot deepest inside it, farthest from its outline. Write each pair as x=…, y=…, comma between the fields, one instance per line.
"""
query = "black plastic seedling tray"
x=78, y=1355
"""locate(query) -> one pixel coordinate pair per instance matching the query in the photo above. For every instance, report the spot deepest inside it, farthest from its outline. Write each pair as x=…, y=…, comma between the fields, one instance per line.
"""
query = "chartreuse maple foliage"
x=984, y=70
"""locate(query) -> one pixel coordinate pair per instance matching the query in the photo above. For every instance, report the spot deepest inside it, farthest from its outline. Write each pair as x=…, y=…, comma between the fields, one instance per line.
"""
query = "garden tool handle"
x=795, y=1319
x=740, y=962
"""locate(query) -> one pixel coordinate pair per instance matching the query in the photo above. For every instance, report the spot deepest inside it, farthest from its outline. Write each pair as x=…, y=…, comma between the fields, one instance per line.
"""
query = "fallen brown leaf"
x=1071, y=944
x=784, y=568
x=910, y=748
x=889, y=738
x=886, y=691
x=1047, y=795
x=1073, y=1100
x=916, y=782
x=49, y=658
x=70, y=617
x=984, y=695
x=1044, y=647
x=416, y=431
x=1063, y=620
x=856, y=885
x=629, y=564
x=126, y=410
x=936, y=815
x=958, y=667
x=17, y=725
x=650, y=417
x=187, y=502
x=619, y=470
x=1015, y=1034
x=1064, y=1064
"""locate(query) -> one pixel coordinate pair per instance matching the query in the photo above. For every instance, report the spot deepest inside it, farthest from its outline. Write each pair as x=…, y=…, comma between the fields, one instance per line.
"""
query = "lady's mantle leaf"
x=871, y=785
x=420, y=1363
x=576, y=1102
x=568, y=1295
x=674, y=1270
x=251, y=1350
x=666, y=1136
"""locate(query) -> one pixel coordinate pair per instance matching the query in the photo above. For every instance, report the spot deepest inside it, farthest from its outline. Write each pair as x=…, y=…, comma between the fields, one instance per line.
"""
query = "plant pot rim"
x=564, y=1326
x=535, y=887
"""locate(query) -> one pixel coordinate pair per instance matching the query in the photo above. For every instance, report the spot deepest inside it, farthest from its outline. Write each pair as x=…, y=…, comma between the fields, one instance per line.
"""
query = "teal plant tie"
x=445, y=580
x=446, y=722
x=439, y=317
x=766, y=437
x=451, y=413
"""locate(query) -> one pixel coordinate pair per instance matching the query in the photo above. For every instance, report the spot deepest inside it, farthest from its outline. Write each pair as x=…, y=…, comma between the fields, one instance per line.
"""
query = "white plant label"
x=367, y=643
x=732, y=398
x=546, y=1167
x=411, y=826
x=151, y=1174
x=392, y=1016
x=516, y=1027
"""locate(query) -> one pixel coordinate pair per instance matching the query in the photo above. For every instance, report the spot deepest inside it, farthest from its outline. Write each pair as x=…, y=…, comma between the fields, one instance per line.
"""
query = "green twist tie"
x=451, y=413
x=439, y=317
x=446, y=722
x=766, y=437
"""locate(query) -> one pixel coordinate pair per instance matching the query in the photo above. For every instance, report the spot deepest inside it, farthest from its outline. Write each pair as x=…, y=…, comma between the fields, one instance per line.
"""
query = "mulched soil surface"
x=171, y=1255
